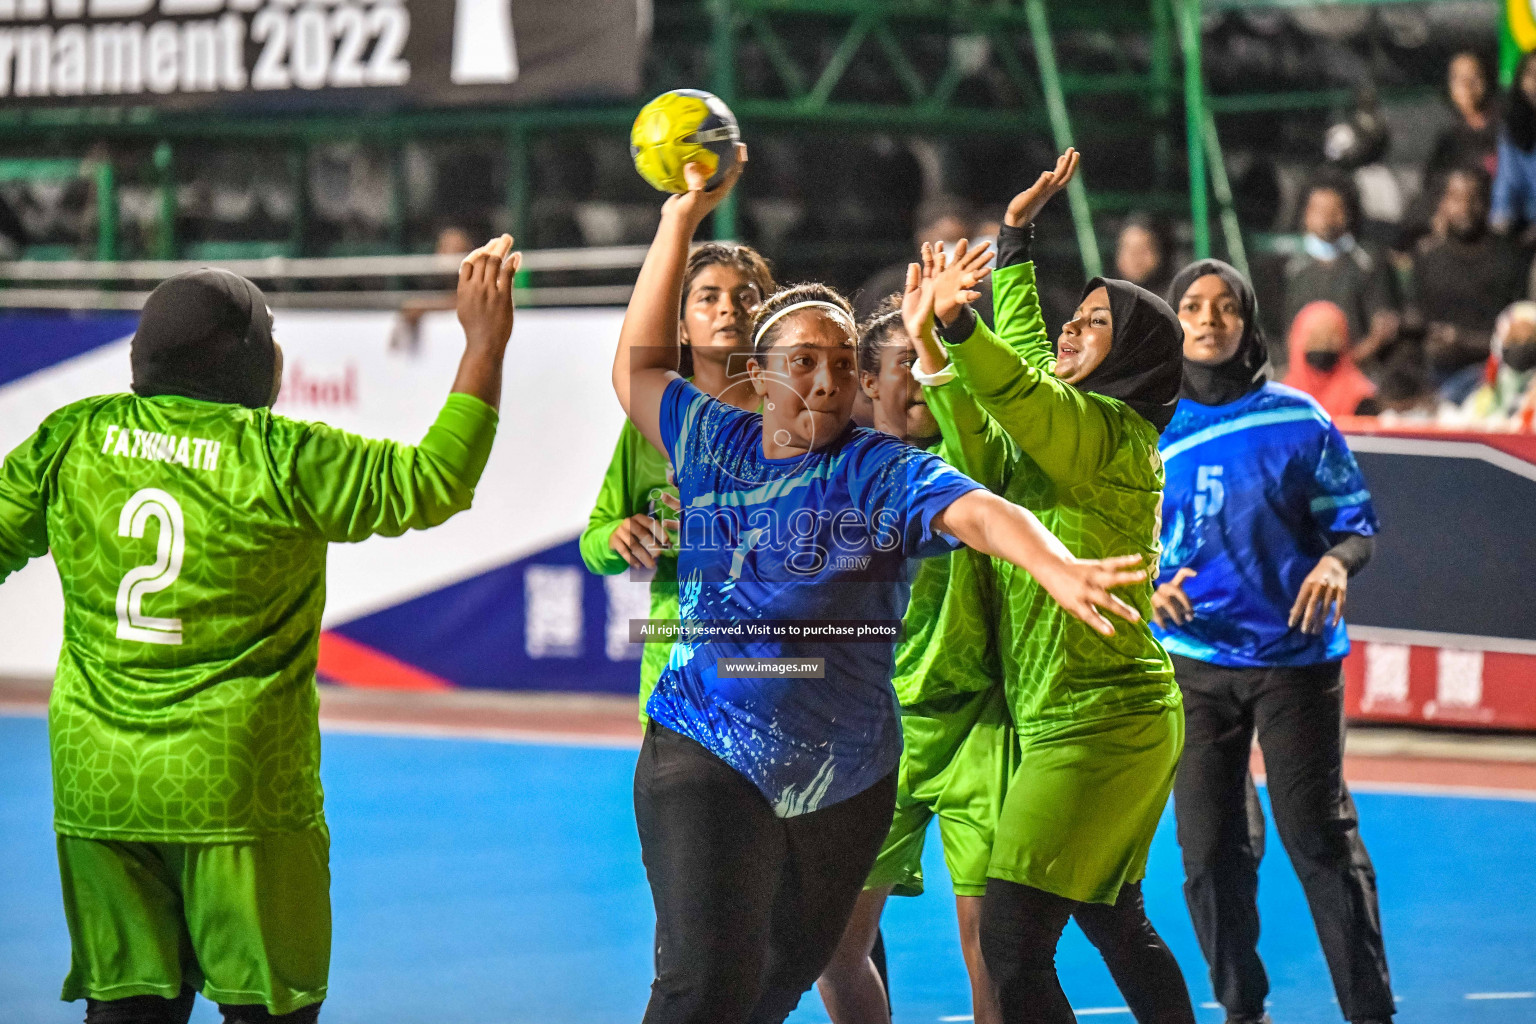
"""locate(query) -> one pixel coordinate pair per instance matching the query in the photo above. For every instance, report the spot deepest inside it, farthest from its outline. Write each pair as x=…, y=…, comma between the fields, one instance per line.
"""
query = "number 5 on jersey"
x=1210, y=495
x=132, y=623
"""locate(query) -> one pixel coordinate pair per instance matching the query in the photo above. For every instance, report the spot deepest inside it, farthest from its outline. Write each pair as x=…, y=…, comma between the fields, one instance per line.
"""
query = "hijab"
x=1339, y=390
x=206, y=334
x=1248, y=369
x=1142, y=368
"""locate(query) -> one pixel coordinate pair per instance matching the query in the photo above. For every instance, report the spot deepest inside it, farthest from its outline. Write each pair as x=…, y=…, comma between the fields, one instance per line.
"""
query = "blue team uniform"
x=1257, y=491
x=823, y=536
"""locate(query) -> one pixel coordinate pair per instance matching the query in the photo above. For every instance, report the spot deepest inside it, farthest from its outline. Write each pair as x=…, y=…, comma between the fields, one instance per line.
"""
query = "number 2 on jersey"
x=132, y=623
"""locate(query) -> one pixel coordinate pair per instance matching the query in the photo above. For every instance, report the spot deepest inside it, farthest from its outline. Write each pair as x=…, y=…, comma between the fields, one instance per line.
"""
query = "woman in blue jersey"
x=762, y=797
x=1265, y=518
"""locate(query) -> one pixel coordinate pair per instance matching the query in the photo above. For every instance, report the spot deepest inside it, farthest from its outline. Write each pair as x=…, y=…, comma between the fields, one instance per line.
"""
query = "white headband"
x=823, y=303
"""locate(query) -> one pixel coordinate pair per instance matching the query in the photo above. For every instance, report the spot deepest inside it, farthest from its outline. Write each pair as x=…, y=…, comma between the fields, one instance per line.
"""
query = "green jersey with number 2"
x=190, y=540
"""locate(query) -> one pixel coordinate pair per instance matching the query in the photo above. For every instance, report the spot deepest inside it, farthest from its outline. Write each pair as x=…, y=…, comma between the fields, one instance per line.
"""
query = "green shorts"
x=958, y=755
x=244, y=923
x=1085, y=802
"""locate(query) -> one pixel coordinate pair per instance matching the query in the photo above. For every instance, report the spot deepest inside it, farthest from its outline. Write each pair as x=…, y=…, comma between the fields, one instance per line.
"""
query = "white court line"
x=1501, y=995
x=1099, y=1011
x=958, y=1017
x=1433, y=789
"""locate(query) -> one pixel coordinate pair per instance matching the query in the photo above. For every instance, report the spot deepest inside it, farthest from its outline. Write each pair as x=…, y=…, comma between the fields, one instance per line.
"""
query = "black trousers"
x=749, y=906
x=1299, y=716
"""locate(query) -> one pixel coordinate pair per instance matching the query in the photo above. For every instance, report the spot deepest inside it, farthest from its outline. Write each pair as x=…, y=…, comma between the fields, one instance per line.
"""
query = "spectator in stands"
x=1334, y=268
x=944, y=219
x=1473, y=140
x=1506, y=385
x=1144, y=252
x=1463, y=276
x=1403, y=394
x=406, y=335
x=1514, y=189
x=1321, y=361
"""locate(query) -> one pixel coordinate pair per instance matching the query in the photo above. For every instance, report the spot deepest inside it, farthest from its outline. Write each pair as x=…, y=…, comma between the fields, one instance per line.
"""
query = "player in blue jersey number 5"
x=1265, y=518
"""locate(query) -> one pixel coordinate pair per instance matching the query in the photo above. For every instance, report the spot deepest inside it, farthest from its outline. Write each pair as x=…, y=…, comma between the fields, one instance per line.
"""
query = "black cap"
x=206, y=334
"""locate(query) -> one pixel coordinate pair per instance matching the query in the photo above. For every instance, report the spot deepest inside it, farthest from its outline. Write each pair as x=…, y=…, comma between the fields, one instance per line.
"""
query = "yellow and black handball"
x=680, y=127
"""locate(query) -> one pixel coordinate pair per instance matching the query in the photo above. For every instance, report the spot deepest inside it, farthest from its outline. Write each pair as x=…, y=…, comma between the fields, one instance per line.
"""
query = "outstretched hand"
x=1082, y=587
x=484, y=299
x=955, y=277
x=700, y=201
x=917, y=318
x=1025, y=206
x=485, y=305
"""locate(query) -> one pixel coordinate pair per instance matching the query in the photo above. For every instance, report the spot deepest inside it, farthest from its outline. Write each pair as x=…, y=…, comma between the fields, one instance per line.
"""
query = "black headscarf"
x=1143, y=366
x=1248, y=368
x=205, y=334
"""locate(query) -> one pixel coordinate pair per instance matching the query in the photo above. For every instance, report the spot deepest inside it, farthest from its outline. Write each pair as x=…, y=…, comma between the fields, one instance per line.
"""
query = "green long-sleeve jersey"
x=1088, y=467
x=635, y=480
x=950, y=643
x=190, y=539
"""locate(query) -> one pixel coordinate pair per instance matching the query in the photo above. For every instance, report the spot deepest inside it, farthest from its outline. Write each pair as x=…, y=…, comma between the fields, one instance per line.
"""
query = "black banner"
x=302, y=54
x=1457, y=541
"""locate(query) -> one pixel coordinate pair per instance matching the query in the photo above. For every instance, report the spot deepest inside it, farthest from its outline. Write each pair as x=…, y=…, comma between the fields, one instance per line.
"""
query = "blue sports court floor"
x=492, y=882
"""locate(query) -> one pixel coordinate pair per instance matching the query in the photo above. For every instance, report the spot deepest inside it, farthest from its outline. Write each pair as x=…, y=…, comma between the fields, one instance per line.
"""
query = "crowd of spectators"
x=1427, y=318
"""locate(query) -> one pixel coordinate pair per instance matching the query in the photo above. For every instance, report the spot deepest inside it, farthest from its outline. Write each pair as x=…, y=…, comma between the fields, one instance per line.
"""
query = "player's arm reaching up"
x=350, y=487
x=974, y=443
x=993, y=525
x=648, y=346
x=485, y=308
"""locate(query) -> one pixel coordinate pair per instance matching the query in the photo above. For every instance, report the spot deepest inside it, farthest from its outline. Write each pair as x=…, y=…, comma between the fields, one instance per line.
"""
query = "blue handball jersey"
x=824, y=536
x=1257, y=491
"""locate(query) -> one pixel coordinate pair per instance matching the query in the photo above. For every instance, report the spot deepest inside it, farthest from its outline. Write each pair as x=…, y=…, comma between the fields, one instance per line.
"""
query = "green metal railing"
x=1061, y=131
x=810, y=47
x=806, y=94
x=98, y=171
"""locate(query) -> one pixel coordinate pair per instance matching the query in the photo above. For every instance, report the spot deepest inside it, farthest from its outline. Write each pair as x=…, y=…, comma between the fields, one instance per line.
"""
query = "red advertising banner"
x=1414, y=685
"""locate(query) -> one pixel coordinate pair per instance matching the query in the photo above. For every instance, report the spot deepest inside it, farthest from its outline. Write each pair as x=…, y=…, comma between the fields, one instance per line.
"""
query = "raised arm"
x=348, y=487
x=1068, y=434
x=485, y=306
x=974, y=443
x=1020, y=324
x=997, y=527
x=1015, y=298
x=647, y=357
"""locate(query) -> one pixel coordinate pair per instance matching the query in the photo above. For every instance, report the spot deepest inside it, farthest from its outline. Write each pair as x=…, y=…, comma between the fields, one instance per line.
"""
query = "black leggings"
x=1020, y=927
x=749, y=906
x=156, y=1010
